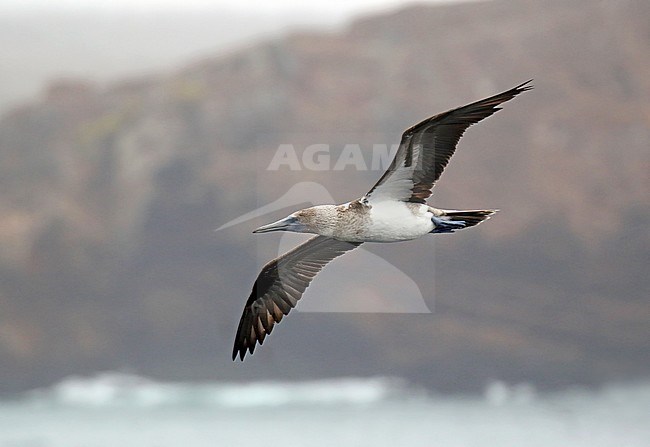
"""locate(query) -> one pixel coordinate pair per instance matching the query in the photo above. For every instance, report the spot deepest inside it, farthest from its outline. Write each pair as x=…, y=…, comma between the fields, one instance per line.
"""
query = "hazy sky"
x=334, y=7
x=103, y=40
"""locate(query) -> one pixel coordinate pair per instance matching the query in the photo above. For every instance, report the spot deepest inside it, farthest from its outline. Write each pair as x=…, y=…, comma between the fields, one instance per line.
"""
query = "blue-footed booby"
x=394, y=210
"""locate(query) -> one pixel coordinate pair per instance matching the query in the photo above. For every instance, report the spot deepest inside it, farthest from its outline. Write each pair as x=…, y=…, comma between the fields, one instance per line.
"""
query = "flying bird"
x=394, y=210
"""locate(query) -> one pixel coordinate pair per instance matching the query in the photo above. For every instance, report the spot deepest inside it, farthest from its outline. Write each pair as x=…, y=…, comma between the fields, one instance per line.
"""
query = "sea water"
x=121, y=410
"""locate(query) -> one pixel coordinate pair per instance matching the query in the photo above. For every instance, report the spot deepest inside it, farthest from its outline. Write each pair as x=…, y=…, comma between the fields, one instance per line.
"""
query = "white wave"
x=499, y=393
x=113, y=409
x=112, y=389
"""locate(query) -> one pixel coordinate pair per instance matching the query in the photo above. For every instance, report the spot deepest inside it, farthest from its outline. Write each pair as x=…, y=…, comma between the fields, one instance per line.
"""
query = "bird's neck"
x=323, y=219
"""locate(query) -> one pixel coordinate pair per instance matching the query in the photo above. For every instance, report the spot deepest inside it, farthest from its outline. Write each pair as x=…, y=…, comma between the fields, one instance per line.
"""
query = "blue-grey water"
x=114, y=409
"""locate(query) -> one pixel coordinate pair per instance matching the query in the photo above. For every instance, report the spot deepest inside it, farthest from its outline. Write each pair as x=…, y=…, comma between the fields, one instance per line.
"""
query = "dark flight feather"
x=280, y=285
x=435, y=140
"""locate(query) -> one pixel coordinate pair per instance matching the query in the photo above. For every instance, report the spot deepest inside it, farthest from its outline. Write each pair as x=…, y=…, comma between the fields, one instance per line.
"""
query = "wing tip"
x=495, y=102
x=524, y=86
x=509, y=94
x=239, y=350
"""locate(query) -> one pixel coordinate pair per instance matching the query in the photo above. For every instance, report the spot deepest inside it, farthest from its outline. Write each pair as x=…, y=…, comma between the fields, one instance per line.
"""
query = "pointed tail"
x=447, y=221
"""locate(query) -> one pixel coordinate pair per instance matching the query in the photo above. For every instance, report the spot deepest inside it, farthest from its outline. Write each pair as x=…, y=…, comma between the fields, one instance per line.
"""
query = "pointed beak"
x=286, y=224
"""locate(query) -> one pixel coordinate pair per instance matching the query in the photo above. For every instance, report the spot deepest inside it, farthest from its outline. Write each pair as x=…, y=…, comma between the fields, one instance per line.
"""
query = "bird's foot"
x=446, y=226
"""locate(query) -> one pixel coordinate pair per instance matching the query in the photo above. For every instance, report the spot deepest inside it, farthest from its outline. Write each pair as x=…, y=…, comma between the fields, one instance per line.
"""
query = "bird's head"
x=317, y=219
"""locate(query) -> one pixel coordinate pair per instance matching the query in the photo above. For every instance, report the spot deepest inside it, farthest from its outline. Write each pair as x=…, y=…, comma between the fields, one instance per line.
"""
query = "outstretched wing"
x=280, y=285
x=426, y=148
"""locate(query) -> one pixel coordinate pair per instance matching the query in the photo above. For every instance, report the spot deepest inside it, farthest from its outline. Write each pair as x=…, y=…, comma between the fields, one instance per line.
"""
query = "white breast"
x=393, y=221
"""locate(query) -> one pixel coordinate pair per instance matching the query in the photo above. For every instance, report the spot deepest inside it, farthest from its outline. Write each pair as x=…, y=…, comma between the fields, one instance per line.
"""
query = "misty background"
x=131, y=130
x=128, y=135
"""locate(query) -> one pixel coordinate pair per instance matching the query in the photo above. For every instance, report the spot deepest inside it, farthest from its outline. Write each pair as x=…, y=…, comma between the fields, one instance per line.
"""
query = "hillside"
x=110, y=197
